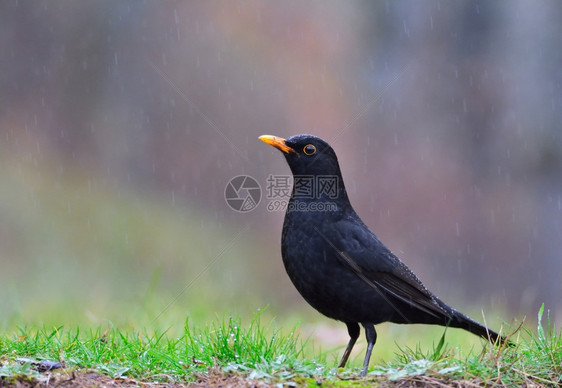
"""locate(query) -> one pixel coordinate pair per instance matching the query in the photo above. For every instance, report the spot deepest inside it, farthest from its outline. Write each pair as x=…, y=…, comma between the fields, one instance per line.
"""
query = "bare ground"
x=216, y=378
x=87, y=378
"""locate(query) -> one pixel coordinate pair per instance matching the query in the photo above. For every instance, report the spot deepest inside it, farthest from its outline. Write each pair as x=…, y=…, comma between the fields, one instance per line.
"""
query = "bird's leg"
x=371, y=335
x=353, y=330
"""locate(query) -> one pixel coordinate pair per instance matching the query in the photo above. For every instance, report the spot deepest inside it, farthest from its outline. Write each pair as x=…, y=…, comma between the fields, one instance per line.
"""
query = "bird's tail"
x=462, y=321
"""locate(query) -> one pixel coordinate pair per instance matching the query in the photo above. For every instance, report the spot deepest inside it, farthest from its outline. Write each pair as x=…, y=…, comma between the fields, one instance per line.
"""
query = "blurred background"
x=121, y=123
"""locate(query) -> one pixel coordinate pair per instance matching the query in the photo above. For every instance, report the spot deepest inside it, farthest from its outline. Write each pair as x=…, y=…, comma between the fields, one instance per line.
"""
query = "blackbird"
x=338, y=265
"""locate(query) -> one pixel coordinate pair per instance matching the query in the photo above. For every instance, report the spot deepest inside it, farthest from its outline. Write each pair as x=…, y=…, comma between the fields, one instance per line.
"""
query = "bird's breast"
x=314, y=269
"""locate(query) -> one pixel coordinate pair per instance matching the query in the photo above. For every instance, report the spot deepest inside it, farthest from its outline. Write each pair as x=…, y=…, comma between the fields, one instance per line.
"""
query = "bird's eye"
x=309, y=149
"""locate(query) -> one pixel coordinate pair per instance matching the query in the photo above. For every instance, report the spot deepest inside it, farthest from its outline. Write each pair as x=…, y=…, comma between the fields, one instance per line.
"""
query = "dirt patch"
x=86, y=378
x=216, y=378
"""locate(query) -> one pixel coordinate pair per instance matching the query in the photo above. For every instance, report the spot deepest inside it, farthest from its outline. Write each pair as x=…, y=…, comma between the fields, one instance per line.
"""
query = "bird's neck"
x=328, y=190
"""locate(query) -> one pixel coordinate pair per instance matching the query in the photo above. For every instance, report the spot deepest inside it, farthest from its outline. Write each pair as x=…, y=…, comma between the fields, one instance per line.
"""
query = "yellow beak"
x=277, y=142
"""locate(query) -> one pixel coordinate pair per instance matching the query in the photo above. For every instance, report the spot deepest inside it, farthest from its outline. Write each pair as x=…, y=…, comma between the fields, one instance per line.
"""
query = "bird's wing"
x=402, y=283
x=376, y=265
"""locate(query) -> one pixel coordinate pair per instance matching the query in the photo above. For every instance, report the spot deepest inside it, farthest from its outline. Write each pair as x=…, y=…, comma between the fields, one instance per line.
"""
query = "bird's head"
x=306, y=154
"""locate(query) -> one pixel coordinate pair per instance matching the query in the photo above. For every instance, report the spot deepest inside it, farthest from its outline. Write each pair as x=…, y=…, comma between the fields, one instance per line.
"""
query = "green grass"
x=260, y=351
x=254, y=349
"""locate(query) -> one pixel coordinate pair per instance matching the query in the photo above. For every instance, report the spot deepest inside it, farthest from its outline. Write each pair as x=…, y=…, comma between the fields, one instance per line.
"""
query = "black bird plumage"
x=339, y=266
